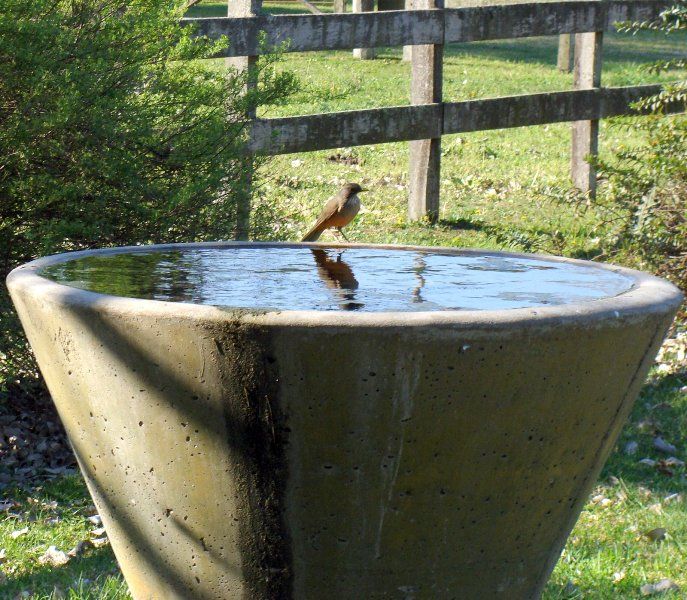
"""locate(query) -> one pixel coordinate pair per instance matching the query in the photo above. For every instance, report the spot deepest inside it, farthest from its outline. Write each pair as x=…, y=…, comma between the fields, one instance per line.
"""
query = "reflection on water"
x=369, y=279
x=338, y=277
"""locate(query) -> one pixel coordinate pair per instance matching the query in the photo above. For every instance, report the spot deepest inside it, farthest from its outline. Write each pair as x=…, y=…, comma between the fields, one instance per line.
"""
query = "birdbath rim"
x=647, y=294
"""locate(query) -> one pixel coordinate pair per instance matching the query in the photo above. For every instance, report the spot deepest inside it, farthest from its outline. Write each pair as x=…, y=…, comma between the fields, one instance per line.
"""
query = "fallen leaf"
x=656, y=535
x=96, y=520
x=672, y=461
x=656, y=508
x=98, y=532
x=673, y=498
x=3, y=555
x=19, y=532
x=631, y=448
x=644, y=492
x=6, y=505
x=98, y=542
x=664, y=469
x=54, y=557
x=618, y=576
x=665, y=585
x=648, y=462
x=662, y=446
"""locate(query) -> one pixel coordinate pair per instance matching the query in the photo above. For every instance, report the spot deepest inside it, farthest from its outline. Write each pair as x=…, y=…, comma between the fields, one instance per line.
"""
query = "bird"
x=339, y=211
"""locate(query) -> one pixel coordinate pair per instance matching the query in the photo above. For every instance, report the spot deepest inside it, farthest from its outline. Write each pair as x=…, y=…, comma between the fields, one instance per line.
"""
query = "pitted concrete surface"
x=340, y=455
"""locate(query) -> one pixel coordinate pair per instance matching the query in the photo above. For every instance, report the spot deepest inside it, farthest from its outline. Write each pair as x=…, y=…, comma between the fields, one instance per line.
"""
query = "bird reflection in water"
x=337, y=275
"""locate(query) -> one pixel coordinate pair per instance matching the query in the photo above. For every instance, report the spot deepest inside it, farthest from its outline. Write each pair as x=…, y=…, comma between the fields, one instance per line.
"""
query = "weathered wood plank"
x=539, y=109
x=416, y=27
x=349, y=128
x=508, y=21
x=633, y=10
x=324, y=32
x=404, y=123
x=520, y=20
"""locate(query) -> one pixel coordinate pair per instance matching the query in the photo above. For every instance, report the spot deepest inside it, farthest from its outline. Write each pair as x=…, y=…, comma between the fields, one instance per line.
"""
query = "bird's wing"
x=332, y=207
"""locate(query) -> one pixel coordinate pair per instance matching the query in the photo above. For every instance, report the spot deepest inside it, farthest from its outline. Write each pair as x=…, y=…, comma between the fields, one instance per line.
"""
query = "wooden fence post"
x=566, y=53
x=363, y=6
x=585, y=134
x=244, y=8
x=339, y=6
x=425, y=155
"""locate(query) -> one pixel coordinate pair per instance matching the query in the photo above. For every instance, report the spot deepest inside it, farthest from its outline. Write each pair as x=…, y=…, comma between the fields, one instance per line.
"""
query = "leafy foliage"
x=645, y=201
x=113, y=130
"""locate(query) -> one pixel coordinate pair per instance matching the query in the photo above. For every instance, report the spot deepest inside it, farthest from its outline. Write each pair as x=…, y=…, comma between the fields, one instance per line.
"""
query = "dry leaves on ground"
x=660, y=587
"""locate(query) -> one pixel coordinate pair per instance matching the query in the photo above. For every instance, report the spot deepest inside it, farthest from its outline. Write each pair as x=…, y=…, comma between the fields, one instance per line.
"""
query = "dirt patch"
x=33, y=443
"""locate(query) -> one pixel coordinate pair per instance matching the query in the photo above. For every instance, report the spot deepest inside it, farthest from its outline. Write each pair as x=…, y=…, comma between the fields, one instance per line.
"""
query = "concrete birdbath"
x=278, y=421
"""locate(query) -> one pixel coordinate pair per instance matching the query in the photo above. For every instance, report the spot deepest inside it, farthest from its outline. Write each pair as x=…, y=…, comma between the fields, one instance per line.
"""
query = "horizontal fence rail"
x=436, y=26
x=425, y=121
x=426, y=30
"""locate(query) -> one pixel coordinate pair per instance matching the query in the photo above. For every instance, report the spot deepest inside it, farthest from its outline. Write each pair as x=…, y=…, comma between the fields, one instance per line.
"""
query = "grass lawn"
x=498, y=190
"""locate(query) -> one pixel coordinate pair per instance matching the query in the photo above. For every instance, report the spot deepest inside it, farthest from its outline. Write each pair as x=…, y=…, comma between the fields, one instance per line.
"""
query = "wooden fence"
x=428, y=28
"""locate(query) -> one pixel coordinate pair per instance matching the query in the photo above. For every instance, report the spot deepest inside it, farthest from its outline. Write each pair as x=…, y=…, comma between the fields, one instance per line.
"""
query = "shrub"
x=113, y=130
x=644, y=202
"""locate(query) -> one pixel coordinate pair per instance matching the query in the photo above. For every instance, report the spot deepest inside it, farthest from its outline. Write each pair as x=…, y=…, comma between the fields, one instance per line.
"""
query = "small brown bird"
x=339, y=211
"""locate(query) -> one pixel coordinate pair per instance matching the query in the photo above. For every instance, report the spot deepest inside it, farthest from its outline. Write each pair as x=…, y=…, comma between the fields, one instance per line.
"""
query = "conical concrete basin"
x=435, y=450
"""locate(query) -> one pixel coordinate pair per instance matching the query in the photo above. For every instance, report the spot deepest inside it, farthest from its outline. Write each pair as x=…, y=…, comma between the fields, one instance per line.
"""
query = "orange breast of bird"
x=345, y=214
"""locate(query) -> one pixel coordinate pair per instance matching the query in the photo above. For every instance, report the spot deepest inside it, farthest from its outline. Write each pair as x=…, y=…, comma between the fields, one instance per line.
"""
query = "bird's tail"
x=314, y=234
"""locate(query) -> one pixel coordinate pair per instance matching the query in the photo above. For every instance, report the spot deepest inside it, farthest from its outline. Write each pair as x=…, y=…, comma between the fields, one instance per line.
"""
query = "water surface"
x=367, y=279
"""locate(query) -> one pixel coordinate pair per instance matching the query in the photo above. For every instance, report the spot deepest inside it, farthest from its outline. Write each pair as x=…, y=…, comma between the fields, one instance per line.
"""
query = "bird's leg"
x=341, y=233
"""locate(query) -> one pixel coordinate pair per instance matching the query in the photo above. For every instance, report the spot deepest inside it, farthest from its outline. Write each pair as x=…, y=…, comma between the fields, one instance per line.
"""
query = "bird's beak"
x=362, y=189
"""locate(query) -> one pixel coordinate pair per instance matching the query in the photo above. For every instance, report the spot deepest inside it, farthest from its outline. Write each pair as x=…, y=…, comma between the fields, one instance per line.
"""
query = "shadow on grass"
x=463, y=224
x=506, y=237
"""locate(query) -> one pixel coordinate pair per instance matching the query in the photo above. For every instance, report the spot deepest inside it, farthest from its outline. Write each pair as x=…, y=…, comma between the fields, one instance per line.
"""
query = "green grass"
x=55, y=515
x=496, y=192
